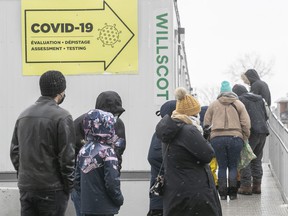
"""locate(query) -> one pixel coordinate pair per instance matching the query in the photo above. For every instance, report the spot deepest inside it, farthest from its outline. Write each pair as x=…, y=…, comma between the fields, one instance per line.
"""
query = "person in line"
x=258, y=86
x=230, y=128
x=97, y=173
x=206, y=133
x=189, y=187
x=255, y=107
x=108, y=101
x=155, y=160
x=43, y=150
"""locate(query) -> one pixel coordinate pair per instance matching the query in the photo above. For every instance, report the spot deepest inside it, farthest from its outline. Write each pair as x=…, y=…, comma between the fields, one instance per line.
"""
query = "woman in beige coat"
x=230, y=129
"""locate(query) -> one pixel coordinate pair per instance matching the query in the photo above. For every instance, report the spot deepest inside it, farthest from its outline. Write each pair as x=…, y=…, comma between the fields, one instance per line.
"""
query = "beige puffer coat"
x=227, y=119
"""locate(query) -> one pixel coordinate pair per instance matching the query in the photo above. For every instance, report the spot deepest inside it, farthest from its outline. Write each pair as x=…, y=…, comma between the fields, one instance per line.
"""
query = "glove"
x=206, y=132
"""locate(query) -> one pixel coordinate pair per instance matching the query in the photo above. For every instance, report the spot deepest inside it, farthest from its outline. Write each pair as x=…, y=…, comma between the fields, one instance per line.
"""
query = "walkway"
x=269, y=203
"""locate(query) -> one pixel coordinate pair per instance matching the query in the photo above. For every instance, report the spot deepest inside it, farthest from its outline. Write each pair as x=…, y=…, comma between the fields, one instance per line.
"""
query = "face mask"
x=116, y=116
x=62, y=99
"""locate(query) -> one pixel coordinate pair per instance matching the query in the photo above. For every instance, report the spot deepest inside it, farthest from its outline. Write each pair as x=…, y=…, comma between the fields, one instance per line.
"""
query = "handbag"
x=246, y=156
x=157, y=188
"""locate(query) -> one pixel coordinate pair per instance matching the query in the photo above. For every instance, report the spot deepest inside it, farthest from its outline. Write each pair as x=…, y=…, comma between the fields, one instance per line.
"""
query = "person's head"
x=53, y=84
x=202, y=114
x=225, y=87
x=186, y=104
x=250, y=76
x=99, y=125
x=167, y=108
x=110, y=101
x=245, y=79
x=239, y=89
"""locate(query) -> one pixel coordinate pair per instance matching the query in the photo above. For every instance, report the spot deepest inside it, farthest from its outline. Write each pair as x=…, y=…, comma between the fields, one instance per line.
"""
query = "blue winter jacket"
x=100, y=181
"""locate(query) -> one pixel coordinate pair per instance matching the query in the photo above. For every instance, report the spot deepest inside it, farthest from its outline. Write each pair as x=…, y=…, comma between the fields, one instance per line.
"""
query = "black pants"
x=43, y=203
x=155, y=212
x=98, y=215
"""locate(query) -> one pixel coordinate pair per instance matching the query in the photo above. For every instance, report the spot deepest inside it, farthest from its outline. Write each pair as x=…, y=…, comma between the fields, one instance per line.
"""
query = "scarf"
x=193, y=120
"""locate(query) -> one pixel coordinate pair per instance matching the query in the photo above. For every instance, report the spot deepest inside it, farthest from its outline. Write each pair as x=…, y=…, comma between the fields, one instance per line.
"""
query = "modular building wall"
x=161, y=68
x=142, y=92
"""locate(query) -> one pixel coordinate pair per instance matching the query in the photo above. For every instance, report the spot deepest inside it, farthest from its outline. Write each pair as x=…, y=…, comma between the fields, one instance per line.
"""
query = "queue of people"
x=235, y=117
x=83, y=157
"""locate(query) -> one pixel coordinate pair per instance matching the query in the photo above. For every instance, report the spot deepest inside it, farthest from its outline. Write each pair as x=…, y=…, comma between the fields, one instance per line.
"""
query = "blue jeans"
x=44, y=203
x=75, y=197
x=227, y=150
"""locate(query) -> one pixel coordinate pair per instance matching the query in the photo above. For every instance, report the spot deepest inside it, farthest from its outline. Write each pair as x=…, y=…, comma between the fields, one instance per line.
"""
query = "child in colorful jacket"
x=97, y=173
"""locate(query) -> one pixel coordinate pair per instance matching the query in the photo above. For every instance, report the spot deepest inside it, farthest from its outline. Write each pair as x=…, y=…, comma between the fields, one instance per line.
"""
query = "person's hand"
x=207, y=131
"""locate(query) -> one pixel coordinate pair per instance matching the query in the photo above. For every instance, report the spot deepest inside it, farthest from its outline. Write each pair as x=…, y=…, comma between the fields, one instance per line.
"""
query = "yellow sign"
x=79, y=37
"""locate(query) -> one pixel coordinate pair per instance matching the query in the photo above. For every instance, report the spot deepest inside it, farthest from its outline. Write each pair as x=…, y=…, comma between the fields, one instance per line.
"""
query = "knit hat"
x=225, y=87
x=186, y=104
x=52, y=83
x=167, y=108
x=239, y=89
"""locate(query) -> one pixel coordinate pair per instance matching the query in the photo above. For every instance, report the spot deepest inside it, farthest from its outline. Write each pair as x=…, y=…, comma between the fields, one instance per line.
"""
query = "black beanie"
x=239, y=89
x=52, y=83
x=167, y=108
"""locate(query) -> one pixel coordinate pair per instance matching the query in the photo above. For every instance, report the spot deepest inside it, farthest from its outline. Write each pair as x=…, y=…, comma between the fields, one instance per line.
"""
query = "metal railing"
x=277, y=143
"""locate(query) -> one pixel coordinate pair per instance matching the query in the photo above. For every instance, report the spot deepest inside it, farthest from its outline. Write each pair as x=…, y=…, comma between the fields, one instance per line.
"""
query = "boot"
x=233, y=193
x=238, y=179
x=222, y=188
x=238, y=184
x=245, y=190
x=256, y=186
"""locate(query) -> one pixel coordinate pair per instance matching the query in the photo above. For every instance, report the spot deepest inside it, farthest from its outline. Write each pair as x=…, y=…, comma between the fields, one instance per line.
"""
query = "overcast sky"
x=217, y=33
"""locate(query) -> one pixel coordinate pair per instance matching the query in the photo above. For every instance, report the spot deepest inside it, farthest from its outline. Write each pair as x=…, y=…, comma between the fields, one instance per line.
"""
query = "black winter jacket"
x=155, y=160
x=257, y=112
x=189, y=188
x=43, y=147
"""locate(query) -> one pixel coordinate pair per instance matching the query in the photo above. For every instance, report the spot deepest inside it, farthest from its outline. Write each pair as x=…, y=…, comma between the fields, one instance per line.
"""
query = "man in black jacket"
x=43, y=150
x=256, y=109
x=259, y=87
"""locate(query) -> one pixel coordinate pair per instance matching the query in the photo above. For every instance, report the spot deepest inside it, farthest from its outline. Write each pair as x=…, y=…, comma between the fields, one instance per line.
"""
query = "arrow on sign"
x=75, y=35
x=109, y=35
